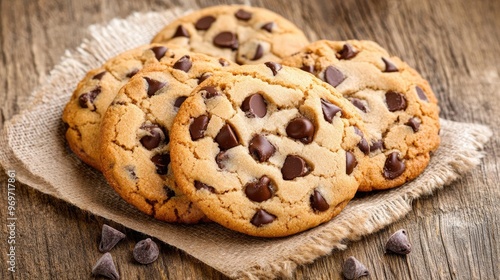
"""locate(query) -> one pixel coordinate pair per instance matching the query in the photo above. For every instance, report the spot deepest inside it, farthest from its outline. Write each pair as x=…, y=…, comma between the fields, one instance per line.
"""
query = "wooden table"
x=454, y=43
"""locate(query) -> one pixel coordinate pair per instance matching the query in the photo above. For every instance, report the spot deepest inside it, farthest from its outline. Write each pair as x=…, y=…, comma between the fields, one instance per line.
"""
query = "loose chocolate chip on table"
x=363, y=144
x=181, y=31
x=274, y=66
x=395, y=101
x=358, y=104
x=220, y=159
x=350, y=162
x=226, y=39
x=260, y=148
x=254, y=106
x=333, y=76
x=132, y=73
x=178, y=102
x=302, y=129
x=86, y=100
x=154, y=86
x=209, y=92
x=398, y=243
x=347, y=52
x=318, y=202
x=203, y=77
x=159, y=51
x=258, y=52
x=226, y=138
x=146, y=251
x=421, y=94
x=293, y=167
x=377, y=145
x=259, y=190
x=161, y=162
x=204, y=23
x=389, y=66
x=198, y=127
x=154, y=137
x=99, y=76
x=243, y=15
x=109, y=238
x=308, y=68
x=414, y=123
x=329, y=110
x=202, y=186
x=183, y=64
x=262, y=217
x=353, y=269
x=268, y=26
x=393, y=166
x=106, y=267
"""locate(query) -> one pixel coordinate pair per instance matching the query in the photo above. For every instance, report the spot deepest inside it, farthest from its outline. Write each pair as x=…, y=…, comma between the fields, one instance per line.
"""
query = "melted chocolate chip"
x=109, y=238
x=86, y=100
x=421, y=94
x=106, y=267
x=132, y=73
x=308, y=68
x=363, y=144
x=274, y=66
x=254, y=106
x=154, y=137
x=223, y=62
x=268, y=26
x=259, y=52
x=178, y=102
x=333, y=76
x=154, y=86
x=318, y=202
x=198, y=127
x=209, y=92
x=183, y=64
x=293, y=167
x=260, y=190
x=395, y=101
x=168, y=191
x=202, y=186
x=393, y=166
x=389, y=66
x=220, y=159
x=302, y=129
x=204, y=23
x=414, y=123
x=398, y=243
x=99, y=76
x=146, y=251
x=329, y=110
x=262, y=217
x=377, y=145
x=159, y=52
x=204, y=77
x=350, y=162
x=161, y=162
x=260, y=148
x=353, y=269
x=358, y=104
x=243, y=15
x=226, y=40
x=181, y=32
x=347, y=52
x=226, y=138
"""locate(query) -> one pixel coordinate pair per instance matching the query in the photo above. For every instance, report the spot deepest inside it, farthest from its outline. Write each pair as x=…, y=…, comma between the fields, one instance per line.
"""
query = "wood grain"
x=454, y=44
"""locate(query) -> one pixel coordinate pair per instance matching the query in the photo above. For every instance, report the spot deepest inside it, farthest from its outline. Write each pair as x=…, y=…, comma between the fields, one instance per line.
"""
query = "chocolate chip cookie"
x=94, y=93
x=135, y=142
x=246, y=35
x=266, y=150
x=398, y=106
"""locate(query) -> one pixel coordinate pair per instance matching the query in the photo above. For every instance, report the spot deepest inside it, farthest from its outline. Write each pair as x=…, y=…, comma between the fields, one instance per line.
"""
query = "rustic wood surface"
x=454, y=43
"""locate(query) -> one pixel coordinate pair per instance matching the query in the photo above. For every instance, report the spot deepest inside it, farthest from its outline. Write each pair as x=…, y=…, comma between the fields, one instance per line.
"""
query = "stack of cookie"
x=230, y=115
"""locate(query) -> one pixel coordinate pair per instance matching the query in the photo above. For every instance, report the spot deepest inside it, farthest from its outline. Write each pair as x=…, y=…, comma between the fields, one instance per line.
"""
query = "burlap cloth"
x=33, y=144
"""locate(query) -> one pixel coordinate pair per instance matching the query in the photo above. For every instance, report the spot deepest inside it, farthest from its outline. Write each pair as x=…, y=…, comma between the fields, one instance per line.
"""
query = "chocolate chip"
x=223, y=62
x=202, y=186
x=168, y=191
x=421, y=94
x=146, y=251
x=329, y=110
x=109, y=238
x=398, y=243
x=226, y=138
x=204, y=23
x=181, y=32
x=99, y=76
x=86, y=100
x=209, y=92
x=350, y=162
x=353, y=269
x=159, y=52
x=132, y=73
x=389, y=66
x=178, y=102
x=254, y=106
x=293, y=167
x=268, y=26
x=274, y=66
x=414, y=123
x=302, y=129
x=243, y=15
x=106, y=267
x=220, y=159
x=262, y=217
x=258, y=52
x=198, y=127
x=131, y=171
x=347, y=52
x=260, y=190
x=203, y=77
x=333, y=76
x=363, y=144
x=377, y=145
x=308, y=68
x=260, y=148
x=161, y=162
x=393, y=166
x=154, y=136
x=395, y=101
x=318, y=202
x=226, y=39
x=183, y=64
x=358, y=104
x=154, y=86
